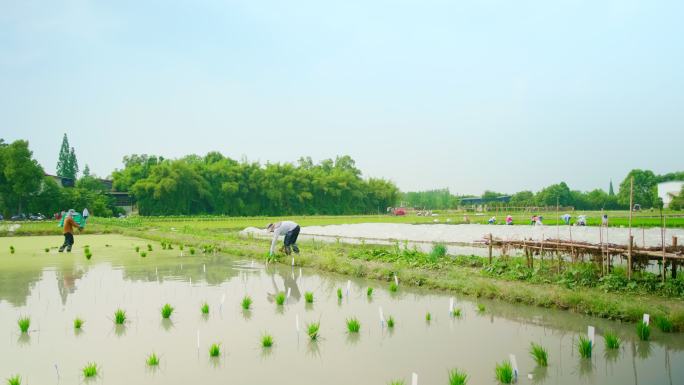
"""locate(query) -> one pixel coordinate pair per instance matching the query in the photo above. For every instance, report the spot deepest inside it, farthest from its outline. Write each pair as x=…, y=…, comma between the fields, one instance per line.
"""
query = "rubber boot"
x=61, y=248
x=295, y=248
x=69, y=249
x=287, y=250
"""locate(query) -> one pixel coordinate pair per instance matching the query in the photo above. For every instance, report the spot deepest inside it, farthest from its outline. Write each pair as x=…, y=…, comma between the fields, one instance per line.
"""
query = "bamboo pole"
x=631, y=239
x=490, y=248
x=674, y=261
x=662, y=239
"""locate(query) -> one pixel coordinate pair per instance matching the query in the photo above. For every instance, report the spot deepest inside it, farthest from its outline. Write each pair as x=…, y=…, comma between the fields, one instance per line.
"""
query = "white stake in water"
x=223, y=298
x=252, y=265
x=156, y=272
x=288, y=293
x=297, y=322
x=197, y=339
x=382, y=317
x=414, y=379
x=647, y=318
x=292, y=261
x=451, y=305
x=396, y=279
x=57, y=370
x=204, y=267
x=348, y=287
x=514, y=364
x=591, y=332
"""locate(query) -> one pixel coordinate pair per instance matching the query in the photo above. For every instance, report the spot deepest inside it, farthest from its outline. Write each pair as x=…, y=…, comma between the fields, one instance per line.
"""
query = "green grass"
x=457, y=377
x=266, y=341
x=166, y=311
x=584, y=347
x=14, y=380
x=390, y=322
x=504, y=372
x=119, y=316
x=664, y=324
x=643, y=331
x=428, y=317
x=78, y=323
x=393, y=287
x=280, y=298
x=369, y=292
x=247, y=302
x=353, y=325
x=339, y=294
x=204, y=308
x=90, y=370
x=481, y=308
x=611, y=340
x=312, y=330
x=24, y=324
x=152, y=360
x=214, y=350
x=539, y=354
x=309, y=297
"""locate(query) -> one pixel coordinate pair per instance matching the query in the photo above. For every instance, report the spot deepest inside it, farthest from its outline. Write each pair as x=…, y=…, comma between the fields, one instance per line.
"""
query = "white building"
x=669, y=190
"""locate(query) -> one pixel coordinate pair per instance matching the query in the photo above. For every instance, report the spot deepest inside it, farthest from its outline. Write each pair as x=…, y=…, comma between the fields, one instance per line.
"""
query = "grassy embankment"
x=577, y=288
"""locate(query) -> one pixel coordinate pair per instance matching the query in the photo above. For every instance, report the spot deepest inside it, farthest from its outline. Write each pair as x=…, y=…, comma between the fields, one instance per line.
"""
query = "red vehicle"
x=399, y=211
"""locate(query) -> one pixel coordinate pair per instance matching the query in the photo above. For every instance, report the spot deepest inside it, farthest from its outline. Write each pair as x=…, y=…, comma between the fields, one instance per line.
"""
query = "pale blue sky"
x=504, y=95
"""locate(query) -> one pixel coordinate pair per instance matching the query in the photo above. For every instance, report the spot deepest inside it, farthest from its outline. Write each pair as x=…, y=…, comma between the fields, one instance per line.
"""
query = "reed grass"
x=204, y=308
x=280, y=298
x=14, y=380
x=119, y=316
x=539, y=354
x=24, y=324
x=152, y=360
x=504, y=372
x=353, y=325
x=584, y=347
x=369, y=292
x=457, y=377
x=312, y=330
x=247, y=302
x=78, y=323
x=393, y=287
x=643, y=331
x=90, y=370
x=664, y=324
x=266, y=341
x=390, y=322
x=166, y=311
x=339, y=294
x=214, y=350
x=309, y=297
x=611, y=340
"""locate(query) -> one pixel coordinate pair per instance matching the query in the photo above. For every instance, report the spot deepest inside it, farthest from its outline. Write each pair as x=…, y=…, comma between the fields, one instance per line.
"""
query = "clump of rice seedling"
x=611, y=340
x=353, y=325
x=393, y=287
x=119, y=316
x=192, y=251
x=247, y=302
x=87, y=252
x=90, y=370
x=137, y=249
x=664, y=324
x=457, y=377
x=149, y=247
x=143, y=254
x=312, y=330
x=481, y=308
x=643, y=331
x=390, y=322
x=309, y=297
x=539, y=354
x=456, y=313
x=504, y=372
x=266, y=341
x=166, y=311
x=78, y=323
x=152, y=360
x=584, y=347
x=397, y=382
x=339, y=294
x=47, y=249
x=428, y=317
x=24, y=324
x=163, y=245
x=181, y=247
x=11, y=249
x=280, y=298
x=369, y=292
x=214, y=350
x=14, y=380
x=169, y=246
x=205, y=308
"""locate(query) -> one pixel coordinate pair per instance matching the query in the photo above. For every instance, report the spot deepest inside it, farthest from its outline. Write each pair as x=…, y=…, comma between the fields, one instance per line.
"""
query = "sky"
x=470, y=95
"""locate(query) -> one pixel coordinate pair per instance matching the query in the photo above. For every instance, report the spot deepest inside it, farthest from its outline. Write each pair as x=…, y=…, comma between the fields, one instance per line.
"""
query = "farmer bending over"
x=69, y=225
x=290, y=230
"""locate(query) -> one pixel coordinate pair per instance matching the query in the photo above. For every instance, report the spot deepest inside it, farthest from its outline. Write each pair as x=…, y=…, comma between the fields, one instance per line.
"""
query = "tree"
x=555, y=194
x=86, y=171
x=22, y=175
x=610, y=189
x=645, y=185
x=677, y=203
x=73, y=164
x=63, y=167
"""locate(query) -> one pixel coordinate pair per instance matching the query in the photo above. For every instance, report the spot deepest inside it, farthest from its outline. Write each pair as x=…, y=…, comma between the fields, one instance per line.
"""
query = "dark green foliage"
x=11, y=249
x=143, y=254
x=67, y=165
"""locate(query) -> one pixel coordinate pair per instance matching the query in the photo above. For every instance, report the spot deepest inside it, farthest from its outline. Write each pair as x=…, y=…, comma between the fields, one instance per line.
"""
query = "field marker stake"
x=414, y=379
x=647, y=318
x=514, y=363
x=591, y=332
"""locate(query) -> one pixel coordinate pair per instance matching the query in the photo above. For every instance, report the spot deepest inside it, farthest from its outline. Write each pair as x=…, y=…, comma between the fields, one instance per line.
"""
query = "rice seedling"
x=481, y=308
x=369, y=292
x=137, y=249
x=312, y=330
x=11, y=249
x=266, y=341
x=14, y=380
x=280, y=298
x=584, y=347
x=390, y=322
x=78, y=323
x=353, y=325
x=664, y=324
x=143, y=254
x=539, y=354
x=643, y=331
x=214, y=350
x=456, y=313
x=152, y=360
x=181, y=247
x=504, y=372
x=163, y=245
x=309, y=297
x=192, y=251
x=397, y=382
x=169, y=246
x=457, y=377
x=611, y=340
x=24, y=324
x=339, y=294
x=149, y=247
x=246, y=302
x=205, y=308
x=88, y=254
x=47, y=249
x=393, y=287
x=90, y=370
x=428, y=317
x=166, y=311
x=119, y=316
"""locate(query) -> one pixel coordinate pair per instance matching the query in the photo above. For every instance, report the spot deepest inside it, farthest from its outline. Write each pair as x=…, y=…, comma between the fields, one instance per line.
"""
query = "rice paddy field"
x=171, y=317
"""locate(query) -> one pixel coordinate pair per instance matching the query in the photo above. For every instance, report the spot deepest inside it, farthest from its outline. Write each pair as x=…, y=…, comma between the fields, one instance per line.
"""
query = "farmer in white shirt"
x=290, y=230
x=85, y=214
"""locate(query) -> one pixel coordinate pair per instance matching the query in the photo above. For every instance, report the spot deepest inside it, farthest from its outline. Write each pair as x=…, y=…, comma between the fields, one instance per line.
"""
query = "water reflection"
x=120, y=330
x=166, y=324
x=540, y=374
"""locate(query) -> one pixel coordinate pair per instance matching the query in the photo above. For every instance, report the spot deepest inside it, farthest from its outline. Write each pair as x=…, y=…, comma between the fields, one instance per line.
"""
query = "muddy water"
x=54, y=288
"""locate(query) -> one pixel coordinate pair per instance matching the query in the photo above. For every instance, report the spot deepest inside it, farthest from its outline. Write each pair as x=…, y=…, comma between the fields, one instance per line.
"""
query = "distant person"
x=539, y=220
x=534, y=220
x=492, y=221
x=466, y=219
x=582, y=220
x=509, y=220
x=290, y=230
x=604, y=220
x=85, y=214
x=566, y=218
x=68, y=230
